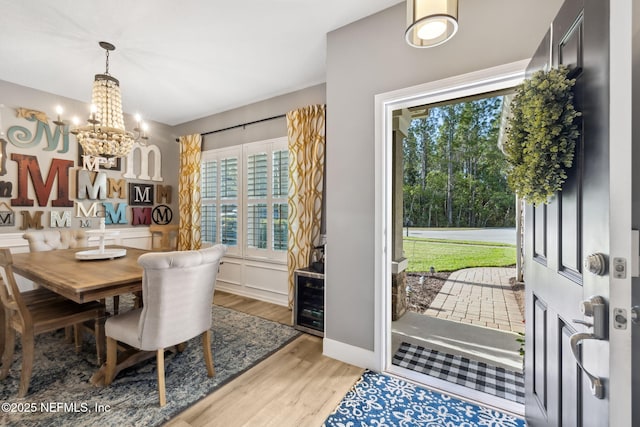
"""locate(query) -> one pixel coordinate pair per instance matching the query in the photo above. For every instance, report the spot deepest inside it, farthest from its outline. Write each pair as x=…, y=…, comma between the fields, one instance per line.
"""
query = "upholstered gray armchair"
x=177, y=290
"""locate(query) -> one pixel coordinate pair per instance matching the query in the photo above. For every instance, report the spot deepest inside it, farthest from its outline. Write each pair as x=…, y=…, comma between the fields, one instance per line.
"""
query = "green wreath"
x=541, y=135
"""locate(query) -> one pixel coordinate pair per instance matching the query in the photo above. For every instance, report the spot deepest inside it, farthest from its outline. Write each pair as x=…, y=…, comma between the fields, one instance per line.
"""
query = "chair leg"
x=137, y=300
x=9, y=348
x=100, y=340
x=27, y=362
x=112, y=355
x=160, y=361
x=116, y=304
x=68, y=336
x=3, y=329
x=77, y=336
x=208, y=356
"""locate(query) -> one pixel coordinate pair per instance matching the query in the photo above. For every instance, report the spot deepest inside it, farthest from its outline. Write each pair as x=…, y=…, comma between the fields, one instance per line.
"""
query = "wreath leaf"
x=541, y=135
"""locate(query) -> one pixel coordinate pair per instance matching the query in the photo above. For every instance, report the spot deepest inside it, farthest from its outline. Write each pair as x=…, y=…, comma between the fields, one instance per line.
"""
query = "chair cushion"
x=124, y=327
x=181, y=259
x=40, y=241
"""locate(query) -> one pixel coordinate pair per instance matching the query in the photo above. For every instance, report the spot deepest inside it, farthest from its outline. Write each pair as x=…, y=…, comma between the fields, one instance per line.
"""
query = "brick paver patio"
x=481, y=296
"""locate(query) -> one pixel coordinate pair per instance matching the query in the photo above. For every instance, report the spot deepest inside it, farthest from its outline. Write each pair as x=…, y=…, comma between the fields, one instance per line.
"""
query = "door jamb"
x=620, y=205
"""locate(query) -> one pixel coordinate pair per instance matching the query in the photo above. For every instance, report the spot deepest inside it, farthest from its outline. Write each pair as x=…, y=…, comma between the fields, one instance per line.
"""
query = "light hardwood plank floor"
x=297, y=386
x=274, y=312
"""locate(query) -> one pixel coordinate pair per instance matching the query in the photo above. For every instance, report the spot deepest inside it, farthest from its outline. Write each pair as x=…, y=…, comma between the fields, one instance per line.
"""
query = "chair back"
x=164, y=237
x=9, y=290
x=40, y=241
x=177, y=290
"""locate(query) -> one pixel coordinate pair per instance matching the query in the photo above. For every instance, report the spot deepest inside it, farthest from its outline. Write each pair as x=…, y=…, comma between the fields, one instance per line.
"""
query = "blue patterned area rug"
x=381, y=400
x=61, y=395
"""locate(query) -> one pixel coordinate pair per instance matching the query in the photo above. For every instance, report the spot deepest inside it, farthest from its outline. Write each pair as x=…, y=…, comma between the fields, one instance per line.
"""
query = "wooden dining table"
x=83, y=280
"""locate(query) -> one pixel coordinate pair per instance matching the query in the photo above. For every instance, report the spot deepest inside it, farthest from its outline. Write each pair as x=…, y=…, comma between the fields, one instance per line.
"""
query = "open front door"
x=566, y=359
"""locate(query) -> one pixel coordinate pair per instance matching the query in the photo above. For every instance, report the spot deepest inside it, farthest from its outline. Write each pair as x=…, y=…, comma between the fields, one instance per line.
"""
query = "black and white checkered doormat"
x=460, y=370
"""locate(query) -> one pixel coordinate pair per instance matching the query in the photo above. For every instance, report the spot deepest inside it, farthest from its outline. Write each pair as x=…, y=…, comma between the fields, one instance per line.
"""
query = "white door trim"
x=620, y=206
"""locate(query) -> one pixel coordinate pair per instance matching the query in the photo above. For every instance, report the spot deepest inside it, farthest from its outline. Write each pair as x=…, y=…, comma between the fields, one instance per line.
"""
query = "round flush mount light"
x=431, y=23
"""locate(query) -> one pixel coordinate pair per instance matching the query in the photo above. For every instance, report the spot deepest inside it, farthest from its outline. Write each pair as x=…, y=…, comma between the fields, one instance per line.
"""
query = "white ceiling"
x=177, y=60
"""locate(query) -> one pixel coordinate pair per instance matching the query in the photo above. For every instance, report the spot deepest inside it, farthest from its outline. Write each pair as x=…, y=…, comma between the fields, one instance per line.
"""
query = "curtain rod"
x=244, y=124
x=240, y=125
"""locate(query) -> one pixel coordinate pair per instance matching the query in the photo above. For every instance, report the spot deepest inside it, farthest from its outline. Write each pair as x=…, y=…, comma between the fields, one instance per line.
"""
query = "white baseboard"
x=350, y=354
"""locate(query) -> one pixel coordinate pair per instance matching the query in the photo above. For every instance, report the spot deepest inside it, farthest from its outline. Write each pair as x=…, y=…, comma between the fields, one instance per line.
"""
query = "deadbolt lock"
x=596, y=264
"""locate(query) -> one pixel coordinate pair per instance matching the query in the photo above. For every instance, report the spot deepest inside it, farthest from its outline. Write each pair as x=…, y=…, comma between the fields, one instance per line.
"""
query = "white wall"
x=370, y=57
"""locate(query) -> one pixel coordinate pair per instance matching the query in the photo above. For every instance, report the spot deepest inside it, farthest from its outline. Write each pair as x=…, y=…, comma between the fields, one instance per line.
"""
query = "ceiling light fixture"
x=105, y=134
x=431, y=22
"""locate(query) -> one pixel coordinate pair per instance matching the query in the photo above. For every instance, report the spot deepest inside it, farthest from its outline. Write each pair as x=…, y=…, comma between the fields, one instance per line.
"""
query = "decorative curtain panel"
x=189, y=199
x=306, y=132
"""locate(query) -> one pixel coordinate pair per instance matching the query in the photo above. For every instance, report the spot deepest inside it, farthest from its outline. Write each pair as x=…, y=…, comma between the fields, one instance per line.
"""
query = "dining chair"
x=177, y=289
x=34, y=312
x=40, y=241
x=164, y=237
x=50, y=240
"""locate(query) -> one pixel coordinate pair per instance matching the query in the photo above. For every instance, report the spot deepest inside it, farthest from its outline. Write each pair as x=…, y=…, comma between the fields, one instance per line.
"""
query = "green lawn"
x=451, y=255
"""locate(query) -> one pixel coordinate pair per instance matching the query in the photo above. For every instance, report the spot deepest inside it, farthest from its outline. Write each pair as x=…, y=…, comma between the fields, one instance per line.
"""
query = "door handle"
x=595, y=307
x=597, y=388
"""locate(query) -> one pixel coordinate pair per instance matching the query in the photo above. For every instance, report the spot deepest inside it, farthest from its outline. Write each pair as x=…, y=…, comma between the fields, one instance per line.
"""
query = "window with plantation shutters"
x=280, y=173
x=209, y=190
x=220, y=183
x=244, y=195
x=257, y=175
x=280, y=192
x=267, y=172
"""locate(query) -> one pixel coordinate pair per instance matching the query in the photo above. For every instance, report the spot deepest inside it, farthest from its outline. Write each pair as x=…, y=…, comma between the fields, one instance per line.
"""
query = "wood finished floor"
x=297, y=386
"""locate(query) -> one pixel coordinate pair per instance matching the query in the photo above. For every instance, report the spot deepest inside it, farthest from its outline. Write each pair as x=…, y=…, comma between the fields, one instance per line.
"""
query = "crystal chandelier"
x=104, y=135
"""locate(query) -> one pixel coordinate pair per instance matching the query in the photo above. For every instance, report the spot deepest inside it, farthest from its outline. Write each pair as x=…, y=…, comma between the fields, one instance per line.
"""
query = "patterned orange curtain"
x=306, y=134
x=189, y=236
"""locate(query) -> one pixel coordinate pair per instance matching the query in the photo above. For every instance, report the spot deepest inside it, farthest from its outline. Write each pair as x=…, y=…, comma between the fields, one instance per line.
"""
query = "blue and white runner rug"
x=380, y=400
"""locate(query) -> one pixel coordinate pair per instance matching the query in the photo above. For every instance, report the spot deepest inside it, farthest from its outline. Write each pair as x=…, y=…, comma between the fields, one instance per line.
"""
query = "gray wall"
x=257, y=111
x=370, y=57
x=16, y=96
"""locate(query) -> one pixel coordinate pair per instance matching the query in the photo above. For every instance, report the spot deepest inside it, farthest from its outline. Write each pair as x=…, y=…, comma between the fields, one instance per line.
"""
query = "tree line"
x=454, y=171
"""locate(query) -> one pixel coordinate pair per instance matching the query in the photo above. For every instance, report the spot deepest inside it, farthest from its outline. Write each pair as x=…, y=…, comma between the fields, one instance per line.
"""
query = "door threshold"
x=458, y=391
